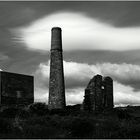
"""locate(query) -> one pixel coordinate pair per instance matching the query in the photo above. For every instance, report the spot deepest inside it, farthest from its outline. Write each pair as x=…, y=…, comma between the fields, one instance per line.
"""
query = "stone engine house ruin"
x=99, y=91
x=16, y=89
x=99, y=94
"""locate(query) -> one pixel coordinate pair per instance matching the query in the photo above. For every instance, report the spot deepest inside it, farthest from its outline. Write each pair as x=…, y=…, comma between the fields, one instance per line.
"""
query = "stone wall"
x=99, y=94
x=16, y=88
x=108, y=92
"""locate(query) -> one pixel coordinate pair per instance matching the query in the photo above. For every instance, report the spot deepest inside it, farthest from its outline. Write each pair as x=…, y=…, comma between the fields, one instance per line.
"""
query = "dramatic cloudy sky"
x=98, y=38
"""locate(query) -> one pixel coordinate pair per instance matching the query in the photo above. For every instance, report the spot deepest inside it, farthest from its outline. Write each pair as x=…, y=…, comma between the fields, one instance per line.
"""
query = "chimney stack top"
x=54, y=28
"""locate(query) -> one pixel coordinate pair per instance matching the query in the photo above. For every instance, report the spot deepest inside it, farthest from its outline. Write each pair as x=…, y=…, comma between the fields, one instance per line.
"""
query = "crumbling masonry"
x=99, y=94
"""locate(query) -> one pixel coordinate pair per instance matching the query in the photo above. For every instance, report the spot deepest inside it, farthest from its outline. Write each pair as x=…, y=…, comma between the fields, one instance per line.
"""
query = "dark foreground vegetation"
x=35, y=121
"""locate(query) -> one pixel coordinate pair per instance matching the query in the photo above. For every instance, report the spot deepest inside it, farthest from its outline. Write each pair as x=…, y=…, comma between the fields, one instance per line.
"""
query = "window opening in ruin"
x=18, y=94
x=102, y=87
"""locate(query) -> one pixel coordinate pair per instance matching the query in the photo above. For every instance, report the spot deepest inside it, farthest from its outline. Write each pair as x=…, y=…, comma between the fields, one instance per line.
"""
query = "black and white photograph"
x=69, y=69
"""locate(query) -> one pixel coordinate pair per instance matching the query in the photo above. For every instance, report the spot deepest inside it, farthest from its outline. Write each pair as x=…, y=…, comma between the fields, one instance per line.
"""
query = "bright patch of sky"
x=80, y=32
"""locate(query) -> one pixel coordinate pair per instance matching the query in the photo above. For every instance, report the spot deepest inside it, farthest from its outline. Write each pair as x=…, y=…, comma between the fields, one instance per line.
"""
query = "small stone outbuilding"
x=16, y=89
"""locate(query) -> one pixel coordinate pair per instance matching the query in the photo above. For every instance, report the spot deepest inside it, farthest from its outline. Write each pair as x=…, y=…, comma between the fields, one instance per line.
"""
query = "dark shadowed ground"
x=35, y=121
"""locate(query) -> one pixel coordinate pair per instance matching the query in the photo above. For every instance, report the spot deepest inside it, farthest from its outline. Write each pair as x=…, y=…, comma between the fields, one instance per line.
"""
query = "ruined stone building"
x=56, y=82
x=16, y=89
x=99, y=94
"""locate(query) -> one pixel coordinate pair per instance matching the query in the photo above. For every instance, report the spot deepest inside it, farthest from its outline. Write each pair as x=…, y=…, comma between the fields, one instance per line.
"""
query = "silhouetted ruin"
x=99, y=94
x=56, y=83
x=16, y=89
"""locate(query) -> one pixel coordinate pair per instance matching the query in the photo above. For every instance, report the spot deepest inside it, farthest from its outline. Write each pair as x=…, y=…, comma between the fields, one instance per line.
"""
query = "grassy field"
x=35, y=121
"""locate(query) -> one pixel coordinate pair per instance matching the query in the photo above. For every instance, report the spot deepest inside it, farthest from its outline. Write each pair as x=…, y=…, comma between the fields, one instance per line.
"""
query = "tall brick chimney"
x=56, y=82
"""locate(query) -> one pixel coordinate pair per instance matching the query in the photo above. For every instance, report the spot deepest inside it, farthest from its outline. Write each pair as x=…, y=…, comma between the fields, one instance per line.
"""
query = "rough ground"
x=35, y=121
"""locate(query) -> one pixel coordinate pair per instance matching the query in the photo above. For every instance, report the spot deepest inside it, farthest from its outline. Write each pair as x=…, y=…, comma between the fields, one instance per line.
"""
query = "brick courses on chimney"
x=56, y=81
